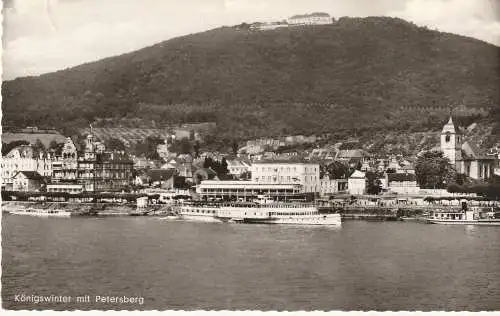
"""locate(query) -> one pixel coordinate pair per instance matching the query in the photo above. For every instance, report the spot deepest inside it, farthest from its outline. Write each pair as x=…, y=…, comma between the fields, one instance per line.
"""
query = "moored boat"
x=259, y=213
x=465, y=217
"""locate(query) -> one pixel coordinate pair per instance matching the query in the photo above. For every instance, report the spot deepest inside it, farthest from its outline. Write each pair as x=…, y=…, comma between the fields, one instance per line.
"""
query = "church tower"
x=451, y=143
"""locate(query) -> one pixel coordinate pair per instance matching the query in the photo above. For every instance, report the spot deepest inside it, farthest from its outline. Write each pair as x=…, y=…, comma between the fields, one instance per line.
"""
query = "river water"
x=189, y=266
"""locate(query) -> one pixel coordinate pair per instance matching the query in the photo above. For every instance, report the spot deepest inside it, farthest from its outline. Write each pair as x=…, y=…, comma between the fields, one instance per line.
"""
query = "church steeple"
x=451, y=142
x=449, y=127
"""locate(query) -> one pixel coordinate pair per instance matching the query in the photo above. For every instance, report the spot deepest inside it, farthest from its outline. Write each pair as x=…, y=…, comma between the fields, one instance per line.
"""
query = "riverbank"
x=83, y=209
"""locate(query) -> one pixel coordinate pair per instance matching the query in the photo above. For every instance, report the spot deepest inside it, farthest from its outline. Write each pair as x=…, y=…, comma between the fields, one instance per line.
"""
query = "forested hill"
x=356, y=73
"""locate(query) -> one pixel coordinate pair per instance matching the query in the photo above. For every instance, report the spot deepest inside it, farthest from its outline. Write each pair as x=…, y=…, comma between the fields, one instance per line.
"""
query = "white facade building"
x=287, y=172
x=22, y=158
x=357, y=183
x=331, y=186
x=245, y=189
x=316, y=18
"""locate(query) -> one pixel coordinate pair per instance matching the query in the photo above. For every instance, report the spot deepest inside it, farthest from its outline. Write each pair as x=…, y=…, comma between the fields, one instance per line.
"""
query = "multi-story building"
x=402, y=183
x=100, y=171
x=331, y=186
x=92, y=171
x=24, y=158
x=287, y=172
x=28, y=181
x=64, y=167
x=356, y=184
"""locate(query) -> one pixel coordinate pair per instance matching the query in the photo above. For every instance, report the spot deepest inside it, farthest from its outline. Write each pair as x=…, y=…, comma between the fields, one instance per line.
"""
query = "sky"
x=43, y=36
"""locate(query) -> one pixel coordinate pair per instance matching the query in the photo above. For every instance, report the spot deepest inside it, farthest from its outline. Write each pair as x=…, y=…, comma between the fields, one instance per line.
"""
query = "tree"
x=434, y=171
x=235, y=147
x=337, y=170
x=374, y=185
x=53, y=145
x=208, y=162
x=185, y=146
x=114, y=144
x=38, y=147
x=223, y=167
x=196, y=149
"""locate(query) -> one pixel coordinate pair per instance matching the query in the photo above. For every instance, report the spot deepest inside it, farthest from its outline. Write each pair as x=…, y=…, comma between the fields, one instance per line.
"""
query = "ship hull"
x=328, y=220
x=494, y=222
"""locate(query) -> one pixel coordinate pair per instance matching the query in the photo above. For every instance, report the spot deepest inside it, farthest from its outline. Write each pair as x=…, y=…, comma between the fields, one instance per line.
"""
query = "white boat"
x=464, y=217
x=268, y=213
x=42, y=212
x=170, y=218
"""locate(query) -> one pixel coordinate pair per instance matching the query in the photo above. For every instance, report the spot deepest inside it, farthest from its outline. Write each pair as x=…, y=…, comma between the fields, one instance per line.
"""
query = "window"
x=447, y=138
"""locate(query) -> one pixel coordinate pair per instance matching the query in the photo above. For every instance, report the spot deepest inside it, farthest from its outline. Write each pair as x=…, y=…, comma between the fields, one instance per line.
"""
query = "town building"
x=330, y=186
x=465, y=156
x=259, y=26
x=288, y=172
x=27, y=181
x=94, y=169
x=402, y=183
x=246, y=190
x=71, y=188
x=64, y=167
x=161, y=178
x=24, y=158
x=356, y=183
x=237, y=167
x=316, y=18
x=353, y=157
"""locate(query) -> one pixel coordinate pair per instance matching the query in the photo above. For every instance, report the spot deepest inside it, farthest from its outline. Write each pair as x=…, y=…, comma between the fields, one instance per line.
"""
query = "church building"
x=467, y=158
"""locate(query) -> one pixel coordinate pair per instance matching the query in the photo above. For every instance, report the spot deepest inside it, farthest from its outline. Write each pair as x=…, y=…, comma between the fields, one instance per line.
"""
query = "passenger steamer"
x=259, y=213
x=465, y=217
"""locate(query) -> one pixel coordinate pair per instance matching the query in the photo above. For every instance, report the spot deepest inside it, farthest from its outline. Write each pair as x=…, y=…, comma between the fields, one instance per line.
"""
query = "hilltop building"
x=465, y=156
x=317, y=18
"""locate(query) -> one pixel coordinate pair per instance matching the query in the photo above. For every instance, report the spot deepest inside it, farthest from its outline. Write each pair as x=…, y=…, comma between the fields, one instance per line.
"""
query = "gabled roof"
x=31, y=175
x=357, y=175
x=449, y=127
x=471, y=151
x=22, y=151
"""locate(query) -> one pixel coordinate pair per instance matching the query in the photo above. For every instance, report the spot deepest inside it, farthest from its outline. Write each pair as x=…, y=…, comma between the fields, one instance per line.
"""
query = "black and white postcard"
x=250, y=155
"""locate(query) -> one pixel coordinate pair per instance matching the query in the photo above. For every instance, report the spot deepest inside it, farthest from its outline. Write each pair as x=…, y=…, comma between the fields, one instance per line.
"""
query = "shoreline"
x=83, y=209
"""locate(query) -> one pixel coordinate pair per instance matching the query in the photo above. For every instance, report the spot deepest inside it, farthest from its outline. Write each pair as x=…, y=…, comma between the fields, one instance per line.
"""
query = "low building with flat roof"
x=228, y=190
